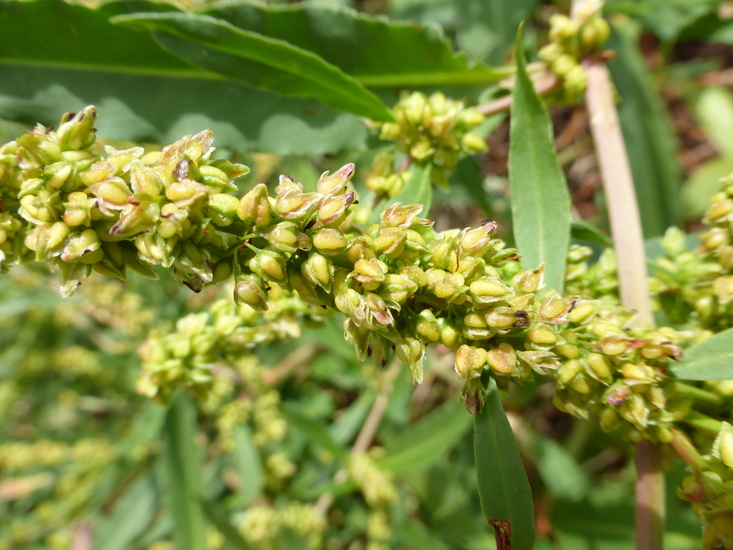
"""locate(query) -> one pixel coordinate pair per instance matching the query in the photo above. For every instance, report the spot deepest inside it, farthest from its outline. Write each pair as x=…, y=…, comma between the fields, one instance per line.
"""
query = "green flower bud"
x=334, y=184
x=427, y=326
x=297, y=205
x=333, y=210
x=77, y=130
x=269, y=265
x=529, y=282
x=568, y=371
x=470, y=362
x=222, y=209
x=500, y=317
x=502, y=359
x=318, y=270
x=84, y=247
x=581, y=311
x=185, y=193
x=138, y=216
x=487, y=290
x=397, y=288
x=78, y=208
x=284, y=237
x=248, y=289
x=473, y=143
x=542, y=335
x=403, y=215
x=370, y=273
x=330, y=241
x=112, y=194
x=476, y=241
x=390, y=241
x=254, y=207
x=600, y=367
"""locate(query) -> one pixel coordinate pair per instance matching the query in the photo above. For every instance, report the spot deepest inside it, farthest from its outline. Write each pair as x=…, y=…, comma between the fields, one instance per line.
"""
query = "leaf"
x=144, y=93
x=708, y=360
x=702, y=184
x=315, y=432
x=131, y=515
x=418, y=189
x=363, y=46
x=648, y=135
x=258, y=61
x=217, y=516
x=183, y=468
x=247, y=460
x=502, y=482
x=469, y=175
x=714, y=111
x=345, y=428
x=559, y=470
x=426, y=441
x=583, y=231
x=540, y=200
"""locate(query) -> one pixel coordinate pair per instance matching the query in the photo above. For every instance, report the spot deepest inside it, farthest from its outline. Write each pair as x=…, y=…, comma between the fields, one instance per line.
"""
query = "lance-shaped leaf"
x=540, y=199
x=709, y=360
x=258, y=61
x=506, y=499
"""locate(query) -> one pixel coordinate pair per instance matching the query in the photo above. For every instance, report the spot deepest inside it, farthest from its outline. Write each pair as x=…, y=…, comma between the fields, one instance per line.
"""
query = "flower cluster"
x=571, y=40
x=64, y=201
x=434, y=130
x=401, y=285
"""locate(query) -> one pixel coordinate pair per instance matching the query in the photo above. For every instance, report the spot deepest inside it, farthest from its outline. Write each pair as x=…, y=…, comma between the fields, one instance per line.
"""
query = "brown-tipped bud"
x=412, y=353
x=581, y=311
x=248, y=289
x=529, y=282
x=77, y=130
x=318, y=270
x=112, y=194
x=333, y=184
x=476, y=241
x=298, y=205
x=402, y=215
x=378, y=310
x=84, y=246
x=145, y=180
x=427, y=326
x=254, y=207
x=222, y=209
x=330, y=241
x=470, y=362
x=502, y=359
x=269, y=265
x=554, y=308
x=137, y=217
x=390, y=241
x=333, y=210
x=370, y=273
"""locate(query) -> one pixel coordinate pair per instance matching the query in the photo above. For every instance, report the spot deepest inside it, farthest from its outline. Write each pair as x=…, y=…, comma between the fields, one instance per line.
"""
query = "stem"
x=628, y=242
x=543, y=87
x=366, y=434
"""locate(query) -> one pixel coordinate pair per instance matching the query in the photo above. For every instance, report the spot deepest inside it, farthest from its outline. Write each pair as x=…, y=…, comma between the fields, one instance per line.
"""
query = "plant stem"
x=543, y=86
x=628, y=242
x=366, y=434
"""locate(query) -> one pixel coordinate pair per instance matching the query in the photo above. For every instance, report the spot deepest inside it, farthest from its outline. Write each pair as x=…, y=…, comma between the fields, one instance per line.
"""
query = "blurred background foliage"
x=85, y=462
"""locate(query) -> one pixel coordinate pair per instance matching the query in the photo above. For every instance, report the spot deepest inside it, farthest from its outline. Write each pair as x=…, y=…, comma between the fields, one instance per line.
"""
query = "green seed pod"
x=390, y=241
x=500, y=317
x=82, y=247
x=600, y=367
x=334, y=184
x=318, y=270
x=254, y=207
x=222, y=209
x=403, y=215
x=112, y=194
x=269, y=265
x=529, y=282
x=330, y=241
x=470, y=362
x=333, y=210
x=427, y=326
x=542, y=335
x=248, y=289
x=568, y=371
x=502, y=359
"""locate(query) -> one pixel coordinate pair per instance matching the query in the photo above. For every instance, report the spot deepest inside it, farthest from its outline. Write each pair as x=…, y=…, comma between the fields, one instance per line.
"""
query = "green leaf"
x=145, y=94
x=540, y=199
x=702, y=184
x=315, y=431
x=183, y=466
x=418, y=189
x=131, y=515
x=426, y=441
x=217, y=516
x=502, y=482
x=363, y=46
x=583, y=231
x=708, y=360
x=258, y=61
x=559, y=470
x=648, y=135
x=247, y=460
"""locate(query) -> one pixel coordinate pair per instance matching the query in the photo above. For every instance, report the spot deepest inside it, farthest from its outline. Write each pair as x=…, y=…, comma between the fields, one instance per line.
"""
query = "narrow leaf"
x=258, y=61
x=428, y=440
x=506, y=499
x=315, y=431
x=540, y=199
x=247, y=460
x=183, y=468
x=233, y=540
x=583, y=231
x=709, y=360
x=132, y=514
